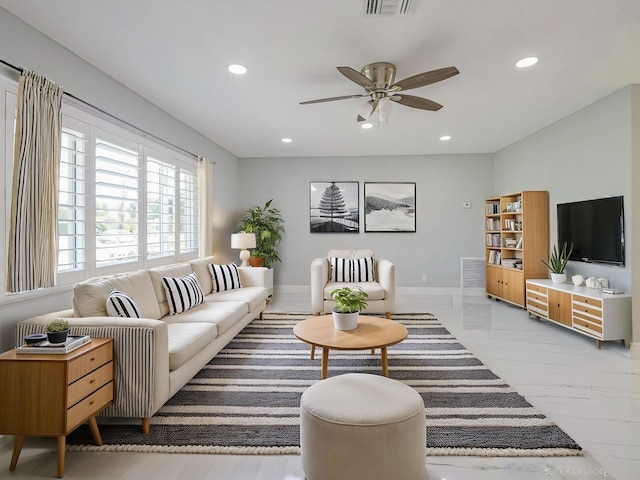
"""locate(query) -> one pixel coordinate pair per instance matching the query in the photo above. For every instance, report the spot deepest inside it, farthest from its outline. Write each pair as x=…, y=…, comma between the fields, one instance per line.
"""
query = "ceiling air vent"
x=386, y=7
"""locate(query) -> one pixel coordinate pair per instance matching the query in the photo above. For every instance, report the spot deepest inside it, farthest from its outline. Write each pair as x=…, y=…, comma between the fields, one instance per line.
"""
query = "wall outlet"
x=424, y=277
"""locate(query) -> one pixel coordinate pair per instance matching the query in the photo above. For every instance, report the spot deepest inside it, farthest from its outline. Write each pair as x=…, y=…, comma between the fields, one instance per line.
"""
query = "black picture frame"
x=389, y=207
x=334, y=207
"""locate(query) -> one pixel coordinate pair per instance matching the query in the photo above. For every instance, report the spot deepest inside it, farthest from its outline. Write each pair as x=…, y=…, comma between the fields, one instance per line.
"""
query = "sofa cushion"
x=373, y=289
x=253, y=297
x=225, y=277
x=90, y=296
x=187, y=339
x=362, y=269
x=183, y=293
x=156, y=273
x=340, y=269
x=222, y=314
x=120, y=304
x=200, y=267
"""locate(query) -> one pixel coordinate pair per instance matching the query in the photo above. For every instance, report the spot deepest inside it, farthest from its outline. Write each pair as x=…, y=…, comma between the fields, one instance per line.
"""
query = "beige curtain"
x=33, y=233
x=205, y=206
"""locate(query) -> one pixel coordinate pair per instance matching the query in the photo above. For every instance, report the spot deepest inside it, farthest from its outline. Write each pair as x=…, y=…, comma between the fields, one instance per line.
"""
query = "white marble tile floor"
x=592, y=394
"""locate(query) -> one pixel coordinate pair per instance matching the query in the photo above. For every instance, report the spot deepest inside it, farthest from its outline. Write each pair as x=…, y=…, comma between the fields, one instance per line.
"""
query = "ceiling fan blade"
x=426, y=78
x=357, y=77
x=374, y=105
x=416, y=102
x=331, y=99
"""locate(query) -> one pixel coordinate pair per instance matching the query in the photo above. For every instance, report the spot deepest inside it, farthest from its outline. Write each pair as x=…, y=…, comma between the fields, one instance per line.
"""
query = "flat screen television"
x=596, y=229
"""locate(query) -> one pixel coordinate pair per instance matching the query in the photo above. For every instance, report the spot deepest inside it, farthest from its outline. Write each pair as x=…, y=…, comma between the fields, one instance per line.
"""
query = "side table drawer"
x=79, y=367
x=89, y=406
x=89, y=384
x=593, y=302
x=537, y=288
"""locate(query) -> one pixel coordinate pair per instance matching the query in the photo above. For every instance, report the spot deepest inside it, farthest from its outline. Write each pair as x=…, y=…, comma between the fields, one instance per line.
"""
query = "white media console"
x=588, y=311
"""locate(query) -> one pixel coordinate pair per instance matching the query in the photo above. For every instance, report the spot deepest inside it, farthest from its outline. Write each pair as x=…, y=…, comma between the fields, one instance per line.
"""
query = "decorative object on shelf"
x=389, y=207
x=558, y=262
x=243, y=241
x=334, y=207
x=57, y=331
x=602, y=283
x=577, y=280
x=268, y=226
x=591, y=282
x=349, y=303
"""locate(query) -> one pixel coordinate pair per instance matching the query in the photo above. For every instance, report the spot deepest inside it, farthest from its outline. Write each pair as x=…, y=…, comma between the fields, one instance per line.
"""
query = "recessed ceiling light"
x=526, y=62
x=286, y=140
x=444, y=138
x=367, y=125
x=237, y=69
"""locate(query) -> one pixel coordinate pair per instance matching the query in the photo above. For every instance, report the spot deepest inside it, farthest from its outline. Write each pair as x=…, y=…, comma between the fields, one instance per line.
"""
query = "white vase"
x=345, y=321
x=558, y=277
x=577, y=280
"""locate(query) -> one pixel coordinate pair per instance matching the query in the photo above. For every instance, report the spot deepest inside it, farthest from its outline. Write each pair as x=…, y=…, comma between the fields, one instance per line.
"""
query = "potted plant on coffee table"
x=558, y=262
x=349, y=303
x=57, y=332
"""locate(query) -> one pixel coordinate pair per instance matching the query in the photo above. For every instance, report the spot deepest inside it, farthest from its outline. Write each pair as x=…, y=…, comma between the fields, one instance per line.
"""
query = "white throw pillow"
x=183, y=293
x=363, y=270
x=120, y=304
x=225, y=277
x=341, y=269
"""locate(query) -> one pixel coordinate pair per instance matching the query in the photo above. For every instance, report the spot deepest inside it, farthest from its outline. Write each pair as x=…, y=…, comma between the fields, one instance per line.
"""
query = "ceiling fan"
x=378, y=81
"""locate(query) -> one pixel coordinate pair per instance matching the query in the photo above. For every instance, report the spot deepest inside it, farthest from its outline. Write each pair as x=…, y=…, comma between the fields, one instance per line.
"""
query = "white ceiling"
x=175, y=54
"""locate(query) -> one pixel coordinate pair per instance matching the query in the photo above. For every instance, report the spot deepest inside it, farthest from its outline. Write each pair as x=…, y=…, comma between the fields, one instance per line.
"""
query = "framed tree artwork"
x=389, y=207
x=334, y=207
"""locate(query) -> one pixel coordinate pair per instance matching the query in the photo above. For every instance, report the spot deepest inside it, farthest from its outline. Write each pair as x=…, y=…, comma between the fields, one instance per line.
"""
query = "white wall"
x=583, y=156
x=444, y=230
x=25, y=47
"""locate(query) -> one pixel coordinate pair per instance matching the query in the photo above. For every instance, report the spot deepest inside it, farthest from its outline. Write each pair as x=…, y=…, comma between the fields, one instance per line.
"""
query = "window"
x=161, y=205
x=124, y=202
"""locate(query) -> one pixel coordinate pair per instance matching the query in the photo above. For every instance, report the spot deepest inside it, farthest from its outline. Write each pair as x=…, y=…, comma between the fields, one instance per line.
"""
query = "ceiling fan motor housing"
x=383, y=74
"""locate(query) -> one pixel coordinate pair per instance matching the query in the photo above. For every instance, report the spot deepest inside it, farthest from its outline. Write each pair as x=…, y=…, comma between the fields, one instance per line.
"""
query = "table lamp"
x=243, y=241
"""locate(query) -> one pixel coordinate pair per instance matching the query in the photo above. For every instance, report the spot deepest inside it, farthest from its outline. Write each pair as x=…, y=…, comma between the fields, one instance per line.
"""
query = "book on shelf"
x=73, y=342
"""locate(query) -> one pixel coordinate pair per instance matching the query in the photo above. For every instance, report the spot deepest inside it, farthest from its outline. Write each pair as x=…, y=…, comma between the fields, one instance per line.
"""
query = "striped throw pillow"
x=183, y=293
x=341, y=269
x=225, y=277
x=120, y=304
x=363, y=270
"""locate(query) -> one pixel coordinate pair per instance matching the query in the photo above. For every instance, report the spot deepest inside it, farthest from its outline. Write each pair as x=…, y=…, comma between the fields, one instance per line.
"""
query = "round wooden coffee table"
x=371, y=333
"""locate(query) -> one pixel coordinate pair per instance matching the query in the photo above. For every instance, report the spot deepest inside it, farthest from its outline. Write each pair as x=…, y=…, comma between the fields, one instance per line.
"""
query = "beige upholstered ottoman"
x=359, y=426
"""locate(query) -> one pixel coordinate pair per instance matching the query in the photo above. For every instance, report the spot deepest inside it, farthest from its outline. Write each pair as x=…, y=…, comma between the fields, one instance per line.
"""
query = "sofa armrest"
x=319, y=278
x=254, y=276
x=387, y=280
x=141, y=358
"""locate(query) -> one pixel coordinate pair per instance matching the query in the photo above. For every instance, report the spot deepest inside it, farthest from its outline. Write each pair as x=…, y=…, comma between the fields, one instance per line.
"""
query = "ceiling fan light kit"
x=378, y=80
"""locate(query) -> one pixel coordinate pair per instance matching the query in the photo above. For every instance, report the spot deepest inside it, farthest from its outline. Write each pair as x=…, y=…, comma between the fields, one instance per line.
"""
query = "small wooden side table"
x=50, y=395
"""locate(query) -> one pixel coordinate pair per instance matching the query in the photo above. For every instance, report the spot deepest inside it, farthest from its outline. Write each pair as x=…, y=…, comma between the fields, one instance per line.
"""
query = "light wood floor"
x=592, y=394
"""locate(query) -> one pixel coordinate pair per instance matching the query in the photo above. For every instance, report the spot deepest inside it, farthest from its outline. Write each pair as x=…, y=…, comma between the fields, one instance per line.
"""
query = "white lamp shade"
x=243, y=240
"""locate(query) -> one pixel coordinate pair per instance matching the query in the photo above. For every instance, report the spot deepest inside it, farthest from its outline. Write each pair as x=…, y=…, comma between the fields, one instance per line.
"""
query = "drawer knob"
x=91, y=382
x=92, y=359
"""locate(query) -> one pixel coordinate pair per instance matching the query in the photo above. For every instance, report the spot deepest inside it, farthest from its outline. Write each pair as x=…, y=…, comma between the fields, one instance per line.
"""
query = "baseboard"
x=450, y=291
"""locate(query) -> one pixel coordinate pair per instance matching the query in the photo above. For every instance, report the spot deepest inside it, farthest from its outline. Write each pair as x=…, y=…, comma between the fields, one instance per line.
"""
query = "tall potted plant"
x=349, y=303
x=268, y=226
x=558, y=262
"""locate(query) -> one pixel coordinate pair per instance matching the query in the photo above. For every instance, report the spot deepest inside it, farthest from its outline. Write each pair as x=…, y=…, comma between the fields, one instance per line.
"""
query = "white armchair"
x=381, y=290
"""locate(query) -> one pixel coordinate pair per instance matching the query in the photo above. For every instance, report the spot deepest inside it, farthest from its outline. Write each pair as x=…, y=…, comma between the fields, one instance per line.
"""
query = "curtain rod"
x=84, y=102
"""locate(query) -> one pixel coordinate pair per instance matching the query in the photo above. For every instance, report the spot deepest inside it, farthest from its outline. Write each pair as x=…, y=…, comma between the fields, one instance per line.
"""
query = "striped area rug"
x=246, y=400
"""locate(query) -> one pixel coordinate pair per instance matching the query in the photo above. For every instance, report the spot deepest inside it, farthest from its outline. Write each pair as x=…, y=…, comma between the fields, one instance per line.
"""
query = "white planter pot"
x=345, y=321
x=558, y=277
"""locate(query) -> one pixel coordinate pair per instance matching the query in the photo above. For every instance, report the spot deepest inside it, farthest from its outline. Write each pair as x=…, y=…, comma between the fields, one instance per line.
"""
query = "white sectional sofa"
x=156, y=355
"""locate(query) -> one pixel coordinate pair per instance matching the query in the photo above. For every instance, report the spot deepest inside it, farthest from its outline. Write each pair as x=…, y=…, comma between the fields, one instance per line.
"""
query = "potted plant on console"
x=349, y=303
x=57, y=332
x=558, y=262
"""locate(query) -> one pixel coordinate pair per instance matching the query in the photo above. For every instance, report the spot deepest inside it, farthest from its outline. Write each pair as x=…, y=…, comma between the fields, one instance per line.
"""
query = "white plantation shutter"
x=117, y=196
x=161, y=207
x=189, y=215
x=72, y=197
